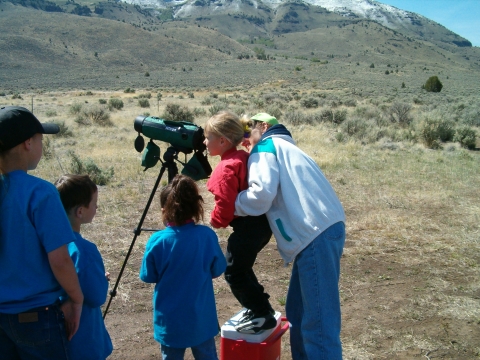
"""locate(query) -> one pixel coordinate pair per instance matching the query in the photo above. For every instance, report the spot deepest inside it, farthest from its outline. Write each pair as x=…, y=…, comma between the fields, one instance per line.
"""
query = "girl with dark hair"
x=181, y=260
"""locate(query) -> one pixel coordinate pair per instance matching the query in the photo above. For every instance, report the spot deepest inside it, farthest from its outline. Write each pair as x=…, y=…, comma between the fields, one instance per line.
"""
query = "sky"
x=460, y=16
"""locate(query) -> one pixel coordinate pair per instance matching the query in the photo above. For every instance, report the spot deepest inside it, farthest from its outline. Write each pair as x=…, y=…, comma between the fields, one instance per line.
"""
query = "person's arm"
x=64, y=271
x=225, y=193
x=148, y=270
x=92, y=278
x=219, y=263
x=263, y=182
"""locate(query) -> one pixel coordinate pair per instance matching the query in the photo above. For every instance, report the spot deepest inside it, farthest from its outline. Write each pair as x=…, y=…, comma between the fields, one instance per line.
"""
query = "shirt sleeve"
x=92, y=278
x=91, y=272
x=50, y=220
x=219, y=263
x=148, y=269
x=225, y=193
x=263, y=182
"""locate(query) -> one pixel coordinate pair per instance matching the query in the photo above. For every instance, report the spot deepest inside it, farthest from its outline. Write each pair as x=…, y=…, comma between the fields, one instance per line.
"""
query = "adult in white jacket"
x=308, y=222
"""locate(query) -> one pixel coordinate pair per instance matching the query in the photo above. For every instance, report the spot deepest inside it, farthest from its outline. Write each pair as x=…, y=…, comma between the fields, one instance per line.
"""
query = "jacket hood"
x=278, y=129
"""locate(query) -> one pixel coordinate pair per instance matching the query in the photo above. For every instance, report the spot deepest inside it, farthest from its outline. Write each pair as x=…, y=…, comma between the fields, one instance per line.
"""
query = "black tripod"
x=169, y=158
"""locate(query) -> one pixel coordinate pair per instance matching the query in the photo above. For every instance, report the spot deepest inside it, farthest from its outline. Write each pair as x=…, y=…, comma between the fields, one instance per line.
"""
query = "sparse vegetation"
x=466, y=137
x=378, y=168
x=64, y=130
x=95, y=114
x=88, y=166
x=433, y=84
x=175, y=112
x=144, y=103
x=115, y=103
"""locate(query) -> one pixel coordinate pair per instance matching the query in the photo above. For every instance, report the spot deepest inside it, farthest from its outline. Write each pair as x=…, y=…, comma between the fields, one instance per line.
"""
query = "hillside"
x=120, y=45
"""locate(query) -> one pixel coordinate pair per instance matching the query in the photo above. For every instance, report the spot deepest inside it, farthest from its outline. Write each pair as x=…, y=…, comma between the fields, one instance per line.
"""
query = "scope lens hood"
x=138, y=123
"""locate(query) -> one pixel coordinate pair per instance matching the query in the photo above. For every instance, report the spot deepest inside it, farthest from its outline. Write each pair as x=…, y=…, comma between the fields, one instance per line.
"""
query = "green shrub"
x=82, y=120
x=129, y=91
x=355, y=127
x=325, y=116
x=88, y=167
x=433, y=129
x=75, y=108
x=94, y=114
x=102, y=101
x=145, y=96
x=47, y=148
x=339, y=116
x=446, y=130
x=399, y=113
x=115, y=103
x=191, y=95
x=471, y=117
x=144, y=103
x=198, y=111
x=17, y=96
x=466, y=136
x=309, y=103
x=207, y=101
x=175, y=112
x=274, y=111
x=50, y=113
x=214, y=109
x=433, y=84
x=350, y=102
x=298, y=118
x=64, y=130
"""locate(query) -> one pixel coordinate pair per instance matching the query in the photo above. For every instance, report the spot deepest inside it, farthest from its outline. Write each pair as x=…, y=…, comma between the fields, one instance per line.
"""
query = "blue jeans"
x=313, y=300
x=204, y=351
x=38, y=334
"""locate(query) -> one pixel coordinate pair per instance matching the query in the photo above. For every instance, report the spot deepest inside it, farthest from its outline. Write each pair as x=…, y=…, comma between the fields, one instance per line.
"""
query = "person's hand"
x=246, y=143
x=72, y=312
x=107, y=275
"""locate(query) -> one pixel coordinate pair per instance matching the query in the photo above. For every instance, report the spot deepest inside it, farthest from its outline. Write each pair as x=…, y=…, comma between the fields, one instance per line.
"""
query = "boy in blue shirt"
x=35, y=267
x=79, y=196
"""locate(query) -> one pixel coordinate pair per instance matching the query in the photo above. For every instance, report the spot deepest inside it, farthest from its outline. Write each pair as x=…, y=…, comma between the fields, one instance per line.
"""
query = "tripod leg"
x=137, y=232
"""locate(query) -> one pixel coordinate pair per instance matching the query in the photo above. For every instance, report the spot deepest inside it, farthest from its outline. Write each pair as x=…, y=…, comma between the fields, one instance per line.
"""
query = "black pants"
x=249, y=237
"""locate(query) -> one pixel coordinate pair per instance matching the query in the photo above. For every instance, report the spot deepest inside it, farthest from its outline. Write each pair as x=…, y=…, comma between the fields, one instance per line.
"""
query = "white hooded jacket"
x=287, y=185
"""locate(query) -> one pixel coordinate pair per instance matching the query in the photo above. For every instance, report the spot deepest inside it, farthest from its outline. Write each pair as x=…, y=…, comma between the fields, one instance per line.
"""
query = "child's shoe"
x=253, y=324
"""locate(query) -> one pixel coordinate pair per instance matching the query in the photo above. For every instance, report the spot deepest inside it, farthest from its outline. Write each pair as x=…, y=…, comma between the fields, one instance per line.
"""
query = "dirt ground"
x=369, y=304
x=130, y=322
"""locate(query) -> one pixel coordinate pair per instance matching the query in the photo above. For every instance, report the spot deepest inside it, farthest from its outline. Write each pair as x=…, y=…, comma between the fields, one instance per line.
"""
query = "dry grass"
x=410, y=285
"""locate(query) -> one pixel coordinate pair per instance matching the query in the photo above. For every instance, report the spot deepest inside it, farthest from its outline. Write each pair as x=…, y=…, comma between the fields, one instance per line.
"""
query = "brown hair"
x=228, y=125
x=75, y=190
x=181, y=201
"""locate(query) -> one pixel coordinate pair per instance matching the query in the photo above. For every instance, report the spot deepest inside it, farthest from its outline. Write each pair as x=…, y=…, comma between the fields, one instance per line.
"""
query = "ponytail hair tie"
x=247, y=131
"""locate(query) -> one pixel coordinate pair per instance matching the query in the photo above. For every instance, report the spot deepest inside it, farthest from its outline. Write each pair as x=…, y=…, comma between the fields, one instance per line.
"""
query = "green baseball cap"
x=264, y=117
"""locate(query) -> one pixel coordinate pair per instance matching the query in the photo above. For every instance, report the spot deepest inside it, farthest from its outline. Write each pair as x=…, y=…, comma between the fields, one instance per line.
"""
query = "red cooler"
x=263, y=346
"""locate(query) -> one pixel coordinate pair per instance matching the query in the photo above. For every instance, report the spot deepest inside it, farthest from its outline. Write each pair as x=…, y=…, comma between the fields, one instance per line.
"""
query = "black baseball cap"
x=18, y=124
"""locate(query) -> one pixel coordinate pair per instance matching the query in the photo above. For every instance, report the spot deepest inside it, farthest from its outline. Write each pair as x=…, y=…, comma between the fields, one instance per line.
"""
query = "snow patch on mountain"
x=368, y=9
x=386, y=15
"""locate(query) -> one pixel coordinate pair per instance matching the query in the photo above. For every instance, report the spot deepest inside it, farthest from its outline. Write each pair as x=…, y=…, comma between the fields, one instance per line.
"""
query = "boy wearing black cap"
x=35, y=266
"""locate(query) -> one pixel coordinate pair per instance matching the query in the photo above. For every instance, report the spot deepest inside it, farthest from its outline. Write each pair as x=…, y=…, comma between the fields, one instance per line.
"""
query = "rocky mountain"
x=208, y=43
x=267, y=11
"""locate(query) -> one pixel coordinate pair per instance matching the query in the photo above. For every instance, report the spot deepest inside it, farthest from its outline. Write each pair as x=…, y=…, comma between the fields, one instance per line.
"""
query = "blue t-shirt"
x=32, y=223
x=91, y=342
x=182, y=260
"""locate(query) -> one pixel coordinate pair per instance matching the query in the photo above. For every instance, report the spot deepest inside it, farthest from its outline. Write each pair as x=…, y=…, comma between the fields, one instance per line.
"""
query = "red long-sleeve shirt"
x=226, y=181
